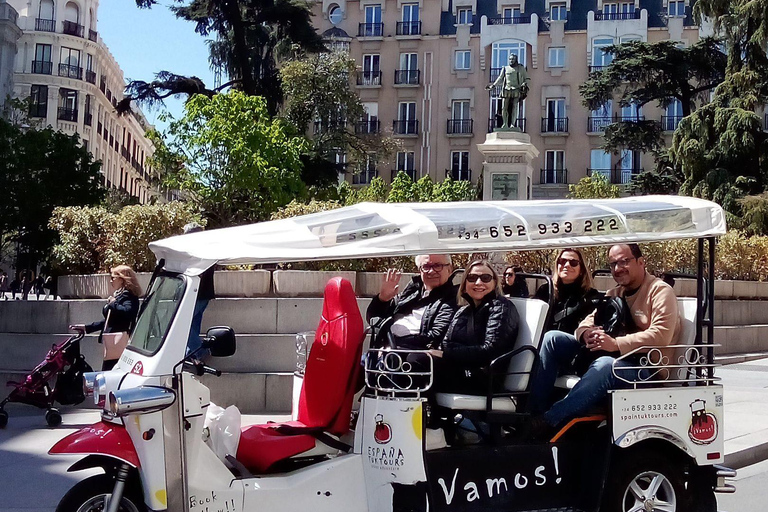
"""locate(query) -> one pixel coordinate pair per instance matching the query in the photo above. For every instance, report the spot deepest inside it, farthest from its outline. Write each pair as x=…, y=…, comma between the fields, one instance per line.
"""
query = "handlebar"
x=199, y=368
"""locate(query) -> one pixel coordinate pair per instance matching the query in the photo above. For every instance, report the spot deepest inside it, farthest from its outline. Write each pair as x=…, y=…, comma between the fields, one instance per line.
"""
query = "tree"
x=596, y=186
x=250, y=36
x=40, y=170
x=239, y=165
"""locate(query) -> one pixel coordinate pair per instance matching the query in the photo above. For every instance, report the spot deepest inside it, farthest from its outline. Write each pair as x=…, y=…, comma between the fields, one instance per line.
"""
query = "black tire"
x=3, y=419
x=53, y=417
x=637, y=473
x=88, y=496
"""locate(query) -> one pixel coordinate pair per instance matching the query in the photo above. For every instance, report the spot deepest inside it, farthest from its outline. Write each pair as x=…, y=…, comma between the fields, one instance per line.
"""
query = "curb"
x=747, y=456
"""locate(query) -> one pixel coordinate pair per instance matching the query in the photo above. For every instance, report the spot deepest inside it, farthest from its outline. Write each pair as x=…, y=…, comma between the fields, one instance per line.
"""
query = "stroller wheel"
x=53, y=418
x=3, y=418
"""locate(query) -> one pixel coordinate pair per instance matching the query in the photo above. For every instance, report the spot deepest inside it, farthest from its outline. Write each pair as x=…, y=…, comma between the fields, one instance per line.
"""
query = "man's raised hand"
x=390, y=285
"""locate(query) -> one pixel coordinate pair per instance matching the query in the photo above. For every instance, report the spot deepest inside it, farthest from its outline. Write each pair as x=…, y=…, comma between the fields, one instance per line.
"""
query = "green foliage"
x=656, y=181
x=95, y=239
x=296, y=208
x=239, y=165
x=754, y=220
x=596, y=186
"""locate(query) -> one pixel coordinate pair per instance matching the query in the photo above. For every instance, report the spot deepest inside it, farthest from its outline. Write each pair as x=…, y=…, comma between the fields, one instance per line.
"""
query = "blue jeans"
x=557, y=352
x=194, y=342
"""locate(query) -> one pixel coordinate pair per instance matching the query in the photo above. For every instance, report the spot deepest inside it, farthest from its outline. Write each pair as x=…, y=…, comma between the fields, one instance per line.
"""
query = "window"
x=554, y=167
x=558, y=12
x=372, y=25
x=610, y=8
x=46, y=10
x=629, y=165
x=601, y=117
x=464, y=16
x=407, y=111
x=676, y=8
x=409, y=61
x=410, y=24
x=38, y=98
x=555, y=120
x=460, y=110
x=406, y=123
x=460, y=165
x=335, y=14
x=70, y=56
x=600, y=163
x=463, y=59
x=371, y=70
x=601, y=58
x=631, y=112
x=511, y=14
x=405, y=160
x=410, y=12
x=43, y=53
x=674, y=113
x=409, y=69
x=557, y=57
x=500, y=54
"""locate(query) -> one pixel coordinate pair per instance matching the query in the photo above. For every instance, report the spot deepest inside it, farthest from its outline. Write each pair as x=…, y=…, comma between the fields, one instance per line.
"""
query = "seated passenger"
x=482, y=330
x=514, y=285
x=652, y=307
x=418, y=317
x=575, y=295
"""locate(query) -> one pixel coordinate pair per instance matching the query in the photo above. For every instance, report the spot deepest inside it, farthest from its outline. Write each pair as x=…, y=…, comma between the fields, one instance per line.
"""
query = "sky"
x=145, y=41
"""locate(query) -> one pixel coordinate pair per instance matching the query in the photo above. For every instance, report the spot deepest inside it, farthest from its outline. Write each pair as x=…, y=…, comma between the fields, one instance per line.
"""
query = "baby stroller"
x=64, y=362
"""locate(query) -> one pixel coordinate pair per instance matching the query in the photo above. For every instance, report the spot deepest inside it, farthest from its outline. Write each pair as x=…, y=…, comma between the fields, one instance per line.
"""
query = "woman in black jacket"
x=482, y=330
x=119, y=312
x=575, y=295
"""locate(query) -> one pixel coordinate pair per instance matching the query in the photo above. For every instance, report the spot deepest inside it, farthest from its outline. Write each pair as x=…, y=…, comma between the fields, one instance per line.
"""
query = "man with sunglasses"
x=416, y=318
x=652, y=309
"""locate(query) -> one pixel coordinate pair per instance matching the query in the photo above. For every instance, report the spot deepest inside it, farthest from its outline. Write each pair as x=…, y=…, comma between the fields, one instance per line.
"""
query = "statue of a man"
x=514, y=80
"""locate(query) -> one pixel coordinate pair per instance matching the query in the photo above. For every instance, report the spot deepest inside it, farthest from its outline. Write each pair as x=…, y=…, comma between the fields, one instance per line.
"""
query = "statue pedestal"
x=507, y=169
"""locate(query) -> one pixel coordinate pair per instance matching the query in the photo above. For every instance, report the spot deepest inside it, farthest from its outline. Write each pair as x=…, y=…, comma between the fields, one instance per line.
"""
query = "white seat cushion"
x=474, y=402
x=567, y=381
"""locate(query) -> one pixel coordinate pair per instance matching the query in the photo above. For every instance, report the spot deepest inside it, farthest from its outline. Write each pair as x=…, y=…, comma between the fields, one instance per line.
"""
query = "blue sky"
x=145, y=41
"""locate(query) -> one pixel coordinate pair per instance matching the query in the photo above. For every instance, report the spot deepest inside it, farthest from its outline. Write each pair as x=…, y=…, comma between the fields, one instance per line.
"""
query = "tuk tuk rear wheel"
x=647, y=482
x=89, y=496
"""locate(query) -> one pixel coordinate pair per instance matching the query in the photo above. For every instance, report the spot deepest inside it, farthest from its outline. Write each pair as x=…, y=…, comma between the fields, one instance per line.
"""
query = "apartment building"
x=9, y=34
x=74, y=84
x=423, y=67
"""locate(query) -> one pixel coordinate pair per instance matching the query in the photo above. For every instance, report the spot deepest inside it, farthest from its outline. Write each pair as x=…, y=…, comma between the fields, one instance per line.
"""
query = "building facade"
x=74, y=84
x=9, y=35
x=423, y=68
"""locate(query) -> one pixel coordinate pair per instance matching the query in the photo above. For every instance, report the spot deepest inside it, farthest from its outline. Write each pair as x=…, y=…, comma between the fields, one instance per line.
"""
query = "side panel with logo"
x=694, y=415
x=393, y=451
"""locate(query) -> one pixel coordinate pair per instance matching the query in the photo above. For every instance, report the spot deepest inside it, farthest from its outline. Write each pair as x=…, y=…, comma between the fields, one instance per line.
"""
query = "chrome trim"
x=143, y=399
x=100, y=389
x=652, y=432
x=89, y=382
x=725, y=489
x=724, y=471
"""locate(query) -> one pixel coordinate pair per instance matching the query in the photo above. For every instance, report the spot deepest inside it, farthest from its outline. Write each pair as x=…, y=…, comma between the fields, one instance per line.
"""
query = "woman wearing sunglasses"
x=484, y=328
x=575, y=295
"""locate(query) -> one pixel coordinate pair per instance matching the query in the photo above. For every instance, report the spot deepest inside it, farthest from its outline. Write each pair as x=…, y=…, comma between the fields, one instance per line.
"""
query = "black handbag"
x=613, y=316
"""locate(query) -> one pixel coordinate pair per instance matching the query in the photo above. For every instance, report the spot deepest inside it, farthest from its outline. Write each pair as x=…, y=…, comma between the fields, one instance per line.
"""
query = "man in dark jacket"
x=418, y=317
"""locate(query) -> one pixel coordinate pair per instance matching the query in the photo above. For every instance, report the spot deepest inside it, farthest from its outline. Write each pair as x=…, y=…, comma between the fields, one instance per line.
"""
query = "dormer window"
x=464, y=16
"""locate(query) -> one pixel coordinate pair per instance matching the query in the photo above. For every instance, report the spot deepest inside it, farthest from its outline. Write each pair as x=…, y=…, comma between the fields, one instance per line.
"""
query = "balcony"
x=329, y=125
x=73, y=29
x=459, y=174
x=70, y=71
x=494, y=74
x=369, y=78
x=42, y=67
x=103, y=85
x=408, y=28
x=618, y=118
x=43, y=25
x=509, y=20
x=93, y=36
x=88, y=119
x=370, y=30
x=497, y=121
x=598, y=124
x=411, y=173
x=617, y=16
x=364, y=177
x=90, y=76
x=553, y=176
x=405, y=127
x=367, y=127
x=554, y=125
x=593, y=69
x=38, y=110
x=669, y=123
x=67, y=114
x=407, y=76
x=99, y=127
x=616, y=176
x=460, y=127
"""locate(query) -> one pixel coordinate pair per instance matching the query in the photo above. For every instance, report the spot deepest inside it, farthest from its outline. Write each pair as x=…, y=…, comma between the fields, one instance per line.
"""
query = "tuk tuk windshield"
x=158, y=311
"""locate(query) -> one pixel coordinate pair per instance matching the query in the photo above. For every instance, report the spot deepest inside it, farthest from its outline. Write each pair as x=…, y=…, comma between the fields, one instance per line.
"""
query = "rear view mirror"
x=220, y=341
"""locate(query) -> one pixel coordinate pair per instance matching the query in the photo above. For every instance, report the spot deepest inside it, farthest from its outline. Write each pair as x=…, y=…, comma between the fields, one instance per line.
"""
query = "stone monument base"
x=507, y=168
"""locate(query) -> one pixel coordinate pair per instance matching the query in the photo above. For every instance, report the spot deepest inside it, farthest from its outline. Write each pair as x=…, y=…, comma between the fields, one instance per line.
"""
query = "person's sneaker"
x=540, y=430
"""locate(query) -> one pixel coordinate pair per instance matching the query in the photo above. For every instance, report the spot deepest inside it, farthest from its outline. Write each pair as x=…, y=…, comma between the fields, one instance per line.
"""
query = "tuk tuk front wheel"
x=647, y=482
x=91, y=495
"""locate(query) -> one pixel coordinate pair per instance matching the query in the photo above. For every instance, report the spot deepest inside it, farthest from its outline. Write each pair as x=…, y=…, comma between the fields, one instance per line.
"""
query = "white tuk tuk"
x=658, y=448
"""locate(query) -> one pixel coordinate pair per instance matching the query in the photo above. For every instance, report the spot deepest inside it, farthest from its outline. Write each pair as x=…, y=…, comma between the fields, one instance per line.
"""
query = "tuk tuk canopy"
x=372, y=230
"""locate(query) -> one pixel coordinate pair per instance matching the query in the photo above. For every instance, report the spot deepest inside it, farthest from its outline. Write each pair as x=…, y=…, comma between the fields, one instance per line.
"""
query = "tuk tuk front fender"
x=105, y=439
x=639, y=434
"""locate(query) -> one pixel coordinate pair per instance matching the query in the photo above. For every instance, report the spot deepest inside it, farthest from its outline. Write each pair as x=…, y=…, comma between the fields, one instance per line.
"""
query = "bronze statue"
x=514, y=80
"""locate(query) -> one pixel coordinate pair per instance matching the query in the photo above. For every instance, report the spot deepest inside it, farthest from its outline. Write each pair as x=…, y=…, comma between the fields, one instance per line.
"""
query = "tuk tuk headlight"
x=89, y=382
x=99, y=389
x=143, y=399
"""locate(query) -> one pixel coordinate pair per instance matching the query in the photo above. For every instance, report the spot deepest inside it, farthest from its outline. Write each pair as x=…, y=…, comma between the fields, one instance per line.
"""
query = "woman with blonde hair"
x=575, y=294
x=119, y=312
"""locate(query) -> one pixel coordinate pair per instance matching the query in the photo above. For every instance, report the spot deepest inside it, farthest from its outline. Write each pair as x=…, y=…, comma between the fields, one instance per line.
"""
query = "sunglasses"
x=566, y=261
x=486, y=278
x=509, y=274
x=437, y=267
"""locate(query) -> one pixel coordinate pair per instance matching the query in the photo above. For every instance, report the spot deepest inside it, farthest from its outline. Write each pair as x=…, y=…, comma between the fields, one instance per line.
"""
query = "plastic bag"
x=223, y=427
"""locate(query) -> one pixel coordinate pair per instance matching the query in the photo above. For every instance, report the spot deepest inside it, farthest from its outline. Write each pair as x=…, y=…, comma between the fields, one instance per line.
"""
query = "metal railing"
x=405, y=127
x=93, y=35
x=494, y=74
x=38, y=110
x=616, y=176
x=553, y=176
x=73, y=29
x=408, y=28
x=669, y=123
x=618, y=118
x=460, y=126
x=459, y=174
x=617, y=16
x=598, y=124
x=70, y=71
x=88, y=119
x=42, y=67
x=411, y=173
x=329, y=125
x=510, y=20
x=554, y=125
x=651, y=366
x=595, y=68
x=370, y=30
x=43, y=25
x=369, y=78
x=90, y=76
x=364, y=177
x=497, y=121
x=407, y=76
x=67, y=114
x=391, y=372
x=367, y=127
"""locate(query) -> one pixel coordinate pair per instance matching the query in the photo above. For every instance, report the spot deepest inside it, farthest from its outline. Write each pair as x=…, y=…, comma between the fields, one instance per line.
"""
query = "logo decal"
x=703, y=429
x=383, y=432
x=138, y=368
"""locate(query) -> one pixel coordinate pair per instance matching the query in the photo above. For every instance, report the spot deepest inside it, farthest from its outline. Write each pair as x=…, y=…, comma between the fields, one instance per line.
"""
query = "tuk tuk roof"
x=369, y=230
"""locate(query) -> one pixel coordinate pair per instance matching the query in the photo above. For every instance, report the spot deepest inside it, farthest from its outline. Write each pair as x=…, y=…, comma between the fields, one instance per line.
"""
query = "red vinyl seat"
x=328, y=390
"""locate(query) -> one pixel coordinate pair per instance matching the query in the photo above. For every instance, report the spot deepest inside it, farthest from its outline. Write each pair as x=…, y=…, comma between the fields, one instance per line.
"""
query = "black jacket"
x=518, y=288
x=122, y=314
x=441, y=306
x=571, y=307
